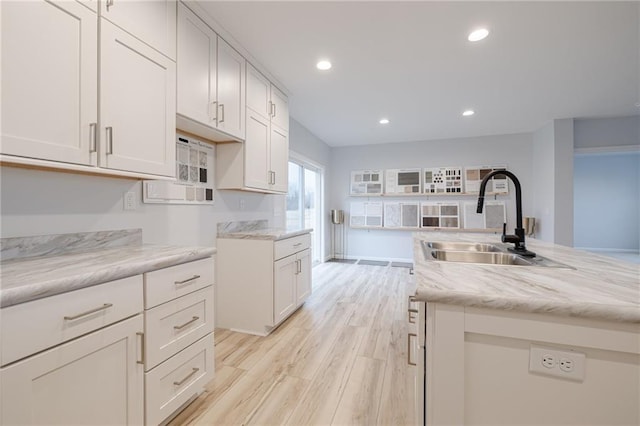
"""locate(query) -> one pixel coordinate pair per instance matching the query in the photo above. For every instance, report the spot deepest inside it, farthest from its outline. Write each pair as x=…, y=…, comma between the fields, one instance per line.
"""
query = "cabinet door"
x=256, y=151
x=258, y=92
x=303, y=279
x=284, y=288
x=197, y=46
x=49, y=80
x=279, y=159
x=94, y=379
x=153, y=22
x=137, y=105
x=280, y=112
x=230, y=83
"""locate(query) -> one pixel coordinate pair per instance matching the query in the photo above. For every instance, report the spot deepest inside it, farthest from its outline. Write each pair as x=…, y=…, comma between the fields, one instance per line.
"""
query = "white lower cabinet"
x=94, y=379
x=257, y=298
x=177, y=380
x=179, y=323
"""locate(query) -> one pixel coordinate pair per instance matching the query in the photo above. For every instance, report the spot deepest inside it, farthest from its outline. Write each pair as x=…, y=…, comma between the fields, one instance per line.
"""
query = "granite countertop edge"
x=274, y=234
x=598, y=311
x=104, y=272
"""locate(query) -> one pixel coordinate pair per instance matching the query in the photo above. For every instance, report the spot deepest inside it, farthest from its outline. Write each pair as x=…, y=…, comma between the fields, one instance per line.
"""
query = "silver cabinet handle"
x=274, y=178
x=270, y=109
x=89, y=312
x=141, y=348
x=92, y=137
x=180, y=327
x=212, y=107
x=188, y=280
x=409, y=348
x=300, y=266
x=109, y=131
x=221, y=113
x=412, y=319
x=109, y=4
x=297, y=244
x=274, y=109
x=193, y=371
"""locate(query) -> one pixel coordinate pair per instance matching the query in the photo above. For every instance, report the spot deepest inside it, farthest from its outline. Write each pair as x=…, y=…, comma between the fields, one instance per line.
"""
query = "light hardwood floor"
x=341, y=359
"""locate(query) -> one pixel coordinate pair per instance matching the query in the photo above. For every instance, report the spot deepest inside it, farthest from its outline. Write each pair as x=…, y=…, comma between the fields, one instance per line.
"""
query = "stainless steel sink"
x=490, y=258
x=460, y=246
x=483, y=254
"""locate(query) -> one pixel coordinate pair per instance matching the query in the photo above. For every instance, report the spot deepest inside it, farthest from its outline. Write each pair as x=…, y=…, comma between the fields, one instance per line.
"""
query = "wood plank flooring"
x=341, y=359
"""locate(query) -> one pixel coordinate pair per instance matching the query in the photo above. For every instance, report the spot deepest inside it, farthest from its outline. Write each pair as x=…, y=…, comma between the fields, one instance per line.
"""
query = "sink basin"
x=483, y=254
x=458, y=246
x=490, y=258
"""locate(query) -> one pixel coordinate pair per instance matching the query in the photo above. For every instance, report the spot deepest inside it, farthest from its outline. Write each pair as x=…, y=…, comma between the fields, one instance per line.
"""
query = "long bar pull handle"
x=222, y=113
x=274, y=109
x=109, y=131
x=274, y=178
x=89, y=312
x=188, y=280
x=141, y=347
x=92, y=137
x=270, y=109
x=180, y=327
x=409, y=348
x=297, y=244
x=193, y=371
x=109, y=4
x=212, y=107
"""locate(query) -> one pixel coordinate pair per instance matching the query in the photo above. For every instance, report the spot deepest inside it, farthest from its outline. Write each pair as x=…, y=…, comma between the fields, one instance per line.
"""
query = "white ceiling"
x=411, y=62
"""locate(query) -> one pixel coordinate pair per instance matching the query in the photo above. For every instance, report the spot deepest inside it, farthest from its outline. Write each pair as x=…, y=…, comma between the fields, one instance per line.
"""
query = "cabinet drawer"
x=169, y=283
x=289, y=246
x=33, y=326
x=175, y=381
x=173, y=326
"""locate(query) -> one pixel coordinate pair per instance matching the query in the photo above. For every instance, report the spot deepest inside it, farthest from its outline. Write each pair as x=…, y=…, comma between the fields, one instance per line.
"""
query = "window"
x=304, y=202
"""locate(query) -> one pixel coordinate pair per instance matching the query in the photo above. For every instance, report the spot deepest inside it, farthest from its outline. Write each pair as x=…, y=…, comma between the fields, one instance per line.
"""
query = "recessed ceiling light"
x=384, y=121
x=468, y=113
x=478, y=34
x=323, y=65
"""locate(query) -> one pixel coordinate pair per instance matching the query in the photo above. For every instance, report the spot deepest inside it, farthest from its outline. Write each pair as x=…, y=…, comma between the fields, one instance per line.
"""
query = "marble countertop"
x=264, y=234
x=26, y=279
x=598, y=287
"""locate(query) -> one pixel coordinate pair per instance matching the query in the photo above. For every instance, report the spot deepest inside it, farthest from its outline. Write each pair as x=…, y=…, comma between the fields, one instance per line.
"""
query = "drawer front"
x=175, y=381
x=33, y=326
x=173, y=326
x=289, y=246
x=169, y=283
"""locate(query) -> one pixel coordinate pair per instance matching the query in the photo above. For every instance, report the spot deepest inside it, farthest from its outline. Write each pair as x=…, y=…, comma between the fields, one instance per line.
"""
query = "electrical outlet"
x=556, y=362
x=130, y=201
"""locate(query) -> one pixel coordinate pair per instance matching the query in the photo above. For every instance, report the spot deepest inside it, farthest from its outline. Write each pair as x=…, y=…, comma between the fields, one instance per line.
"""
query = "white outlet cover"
x=576, y=360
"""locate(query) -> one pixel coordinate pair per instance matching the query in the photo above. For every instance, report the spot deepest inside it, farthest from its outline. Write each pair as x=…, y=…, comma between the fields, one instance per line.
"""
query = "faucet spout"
x=518, y=238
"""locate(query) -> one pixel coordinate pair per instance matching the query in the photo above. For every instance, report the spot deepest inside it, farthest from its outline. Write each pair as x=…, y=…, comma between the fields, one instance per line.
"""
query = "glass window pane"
x=294, y=216
x=310, y=211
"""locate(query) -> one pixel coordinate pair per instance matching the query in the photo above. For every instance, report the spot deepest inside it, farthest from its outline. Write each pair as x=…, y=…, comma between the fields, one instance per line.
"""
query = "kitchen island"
x=528, y=344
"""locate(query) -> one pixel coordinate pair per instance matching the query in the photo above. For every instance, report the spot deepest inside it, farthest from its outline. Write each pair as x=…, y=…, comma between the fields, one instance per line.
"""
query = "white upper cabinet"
x=153, y=22
x=49, y=81
x=137, y=105
x=211, y=81
x=262, y=162
x=52, y=87
x=279, y=109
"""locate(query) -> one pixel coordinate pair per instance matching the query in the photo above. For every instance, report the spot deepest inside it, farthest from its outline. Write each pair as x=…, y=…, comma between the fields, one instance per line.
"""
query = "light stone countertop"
x=26, y=279
x=599, y=287
x=274, y=234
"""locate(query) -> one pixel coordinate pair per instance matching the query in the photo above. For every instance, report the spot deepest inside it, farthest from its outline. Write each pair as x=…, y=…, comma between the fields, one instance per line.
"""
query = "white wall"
x=607, y=132
x=553, y=184
x=512, y=150
x=37, y=202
